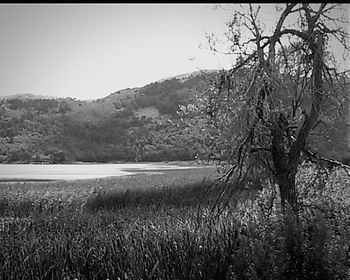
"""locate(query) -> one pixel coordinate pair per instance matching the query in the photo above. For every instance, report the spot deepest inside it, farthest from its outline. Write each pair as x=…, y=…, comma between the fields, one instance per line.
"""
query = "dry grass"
x=150, y=227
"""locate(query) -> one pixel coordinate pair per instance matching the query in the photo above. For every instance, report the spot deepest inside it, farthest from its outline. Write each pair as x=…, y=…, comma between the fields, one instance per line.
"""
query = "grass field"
x=157, y=226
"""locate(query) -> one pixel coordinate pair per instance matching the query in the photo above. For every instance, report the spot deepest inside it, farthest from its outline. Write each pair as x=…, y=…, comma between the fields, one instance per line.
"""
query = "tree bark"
x=286, y=160
x=285, y=172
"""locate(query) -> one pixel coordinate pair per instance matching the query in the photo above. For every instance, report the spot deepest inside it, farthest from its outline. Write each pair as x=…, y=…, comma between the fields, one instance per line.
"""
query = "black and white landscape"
x=129, y=152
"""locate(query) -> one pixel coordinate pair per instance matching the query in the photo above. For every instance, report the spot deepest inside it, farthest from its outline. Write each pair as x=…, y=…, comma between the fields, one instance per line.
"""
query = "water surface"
x=38, y=172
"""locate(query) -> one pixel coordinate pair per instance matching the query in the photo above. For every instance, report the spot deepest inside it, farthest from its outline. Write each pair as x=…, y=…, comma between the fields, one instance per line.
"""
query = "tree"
x=265, y=108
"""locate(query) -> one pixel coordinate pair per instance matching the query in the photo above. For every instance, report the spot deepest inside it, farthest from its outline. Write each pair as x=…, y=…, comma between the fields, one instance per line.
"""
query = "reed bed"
x=158, y=227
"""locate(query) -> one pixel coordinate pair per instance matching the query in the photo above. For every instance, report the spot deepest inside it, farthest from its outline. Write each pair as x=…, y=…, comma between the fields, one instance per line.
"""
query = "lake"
x=37, y=172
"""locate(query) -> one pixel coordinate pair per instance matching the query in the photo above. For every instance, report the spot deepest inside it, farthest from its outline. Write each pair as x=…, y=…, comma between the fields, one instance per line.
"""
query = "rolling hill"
x=134, y=124
x=138, y=124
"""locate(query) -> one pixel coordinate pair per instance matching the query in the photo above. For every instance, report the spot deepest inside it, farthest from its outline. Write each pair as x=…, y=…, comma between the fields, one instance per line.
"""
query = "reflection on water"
x=79, y=171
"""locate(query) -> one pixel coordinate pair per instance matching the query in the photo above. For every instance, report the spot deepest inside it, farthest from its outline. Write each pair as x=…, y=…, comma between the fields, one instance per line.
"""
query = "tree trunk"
x=285, y=172
x=286, y=160
x=286, y=183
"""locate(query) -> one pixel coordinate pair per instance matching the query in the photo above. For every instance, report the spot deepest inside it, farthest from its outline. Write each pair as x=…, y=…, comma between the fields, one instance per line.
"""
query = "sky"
x=88, y=51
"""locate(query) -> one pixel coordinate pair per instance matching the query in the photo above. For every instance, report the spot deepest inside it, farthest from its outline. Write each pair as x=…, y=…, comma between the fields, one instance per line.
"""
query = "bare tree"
x=265, y=108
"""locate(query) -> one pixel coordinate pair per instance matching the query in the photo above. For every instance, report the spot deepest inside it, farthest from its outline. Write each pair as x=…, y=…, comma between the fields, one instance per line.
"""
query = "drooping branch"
x=313, y=156
x=317, y=90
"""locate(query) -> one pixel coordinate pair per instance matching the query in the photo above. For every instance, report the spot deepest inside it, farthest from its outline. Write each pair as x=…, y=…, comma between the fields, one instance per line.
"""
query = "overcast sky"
x=88, y=51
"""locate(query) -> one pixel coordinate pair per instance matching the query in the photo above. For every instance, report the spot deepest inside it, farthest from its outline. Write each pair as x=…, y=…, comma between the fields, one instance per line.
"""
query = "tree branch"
x=260, y=149
x=317, y=158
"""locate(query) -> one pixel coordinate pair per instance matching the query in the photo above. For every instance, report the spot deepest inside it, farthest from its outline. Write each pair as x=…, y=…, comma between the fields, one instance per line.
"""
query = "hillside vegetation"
x=139, y=124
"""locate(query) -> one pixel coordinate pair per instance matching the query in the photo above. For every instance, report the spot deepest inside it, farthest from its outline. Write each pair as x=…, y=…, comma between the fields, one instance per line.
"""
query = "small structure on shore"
x=41, y=159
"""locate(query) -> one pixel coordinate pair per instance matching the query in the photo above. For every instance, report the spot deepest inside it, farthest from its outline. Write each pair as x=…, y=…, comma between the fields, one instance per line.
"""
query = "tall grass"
x=150, y=227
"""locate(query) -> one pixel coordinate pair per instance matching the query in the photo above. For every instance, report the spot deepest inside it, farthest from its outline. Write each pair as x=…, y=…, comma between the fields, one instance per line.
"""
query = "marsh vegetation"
x=157, y=226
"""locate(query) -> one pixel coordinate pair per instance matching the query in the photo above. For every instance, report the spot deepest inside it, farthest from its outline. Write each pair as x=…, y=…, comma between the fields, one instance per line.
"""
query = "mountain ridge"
x=181, y=77
x=27, y=96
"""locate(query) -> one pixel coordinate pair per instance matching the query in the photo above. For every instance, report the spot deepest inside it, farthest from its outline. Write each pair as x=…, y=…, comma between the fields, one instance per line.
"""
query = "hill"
x=134, y=124
x=138, y=124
